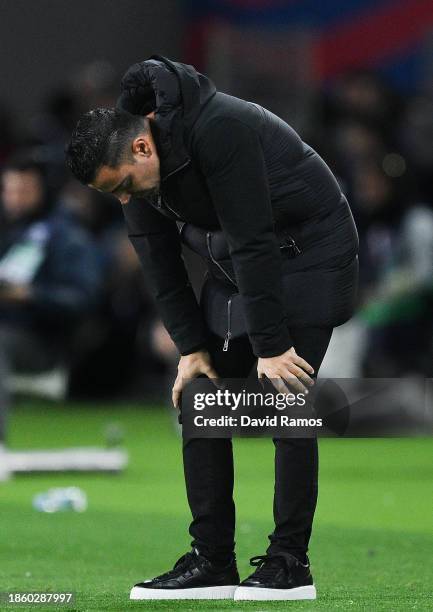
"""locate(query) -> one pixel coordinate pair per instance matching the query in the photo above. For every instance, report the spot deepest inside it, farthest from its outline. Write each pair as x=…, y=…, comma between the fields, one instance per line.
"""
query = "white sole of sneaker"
x=219, y=592
x=261, y=594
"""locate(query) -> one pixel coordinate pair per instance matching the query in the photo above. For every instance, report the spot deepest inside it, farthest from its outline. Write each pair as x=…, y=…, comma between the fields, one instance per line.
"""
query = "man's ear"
x=141, y=146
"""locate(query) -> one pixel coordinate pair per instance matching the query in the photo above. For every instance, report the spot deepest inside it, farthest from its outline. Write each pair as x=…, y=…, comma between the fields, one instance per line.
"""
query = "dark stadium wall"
x=44, y=40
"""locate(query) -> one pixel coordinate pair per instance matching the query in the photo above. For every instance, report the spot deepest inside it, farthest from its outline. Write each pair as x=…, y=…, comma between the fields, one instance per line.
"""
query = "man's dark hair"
x=100, y=139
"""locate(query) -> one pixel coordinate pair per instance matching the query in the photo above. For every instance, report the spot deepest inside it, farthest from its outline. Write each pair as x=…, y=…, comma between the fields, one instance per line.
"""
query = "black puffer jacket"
x=229, y=164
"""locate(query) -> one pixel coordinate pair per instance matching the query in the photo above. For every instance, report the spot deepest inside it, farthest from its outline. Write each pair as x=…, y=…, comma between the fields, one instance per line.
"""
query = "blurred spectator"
x=358, y=121
x=49, y=275
x=378, y=203
x=399, y=309
x=365, y=97
x=396, y=271
x=351, y=143
x=380, y=147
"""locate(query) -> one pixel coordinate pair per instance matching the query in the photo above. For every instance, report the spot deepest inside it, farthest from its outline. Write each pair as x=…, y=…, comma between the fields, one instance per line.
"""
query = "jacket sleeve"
x=231, y=157
x=156, y=241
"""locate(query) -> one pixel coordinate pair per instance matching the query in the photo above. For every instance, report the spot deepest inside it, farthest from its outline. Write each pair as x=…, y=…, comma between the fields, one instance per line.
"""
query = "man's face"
x=22, y=192
x=138, y=176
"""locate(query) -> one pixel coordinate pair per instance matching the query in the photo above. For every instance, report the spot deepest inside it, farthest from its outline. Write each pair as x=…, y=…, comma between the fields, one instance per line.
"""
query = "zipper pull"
x=159, y=202
x=226, y=341
x=295, y=247
x=229, y=333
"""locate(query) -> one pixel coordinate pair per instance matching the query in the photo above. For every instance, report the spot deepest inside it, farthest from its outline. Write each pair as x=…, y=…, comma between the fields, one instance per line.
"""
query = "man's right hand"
x=190, y=366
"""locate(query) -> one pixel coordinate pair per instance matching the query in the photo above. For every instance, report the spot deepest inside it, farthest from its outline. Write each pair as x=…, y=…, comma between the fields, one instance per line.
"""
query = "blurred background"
x=77, y=324
x=355, y=78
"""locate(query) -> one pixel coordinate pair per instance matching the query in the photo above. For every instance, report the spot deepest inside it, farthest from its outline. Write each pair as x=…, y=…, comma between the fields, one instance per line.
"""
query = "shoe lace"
x=267, y=565
x=187, y=561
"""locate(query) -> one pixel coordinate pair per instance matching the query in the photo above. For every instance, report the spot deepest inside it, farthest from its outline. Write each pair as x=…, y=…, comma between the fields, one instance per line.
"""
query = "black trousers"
x=208, y=464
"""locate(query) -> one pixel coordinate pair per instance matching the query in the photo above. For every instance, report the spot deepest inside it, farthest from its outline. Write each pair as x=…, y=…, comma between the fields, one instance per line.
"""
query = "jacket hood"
x=177, y=93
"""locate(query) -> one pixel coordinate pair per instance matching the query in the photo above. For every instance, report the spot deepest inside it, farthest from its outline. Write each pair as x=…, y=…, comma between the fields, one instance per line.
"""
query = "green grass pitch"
x=371, y=549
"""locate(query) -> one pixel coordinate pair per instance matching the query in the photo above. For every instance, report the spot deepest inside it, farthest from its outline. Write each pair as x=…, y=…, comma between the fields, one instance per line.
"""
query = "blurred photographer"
x=49, y=275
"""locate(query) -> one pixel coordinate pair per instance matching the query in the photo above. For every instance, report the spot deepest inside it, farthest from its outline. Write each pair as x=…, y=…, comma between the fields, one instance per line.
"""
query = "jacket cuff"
x=283, y=343
x=194, y=349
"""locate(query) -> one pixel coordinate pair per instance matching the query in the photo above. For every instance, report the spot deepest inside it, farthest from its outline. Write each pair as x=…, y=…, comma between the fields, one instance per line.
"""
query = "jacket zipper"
x=162, y=203
x=290, y=244
x=229, y=331
x=208, y=242
x=176, y=170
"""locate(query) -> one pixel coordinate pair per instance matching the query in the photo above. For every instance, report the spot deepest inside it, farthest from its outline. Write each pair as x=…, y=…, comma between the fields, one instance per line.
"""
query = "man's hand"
x=190, y=366
x=287, y=367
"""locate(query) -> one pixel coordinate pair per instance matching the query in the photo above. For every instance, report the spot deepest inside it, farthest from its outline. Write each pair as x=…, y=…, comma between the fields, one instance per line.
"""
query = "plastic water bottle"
x=59, y=499
x=114, y=434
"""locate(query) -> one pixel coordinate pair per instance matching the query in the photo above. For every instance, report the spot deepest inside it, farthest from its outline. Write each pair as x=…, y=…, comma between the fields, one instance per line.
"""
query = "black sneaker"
x=278, y=576
x=193, y=577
